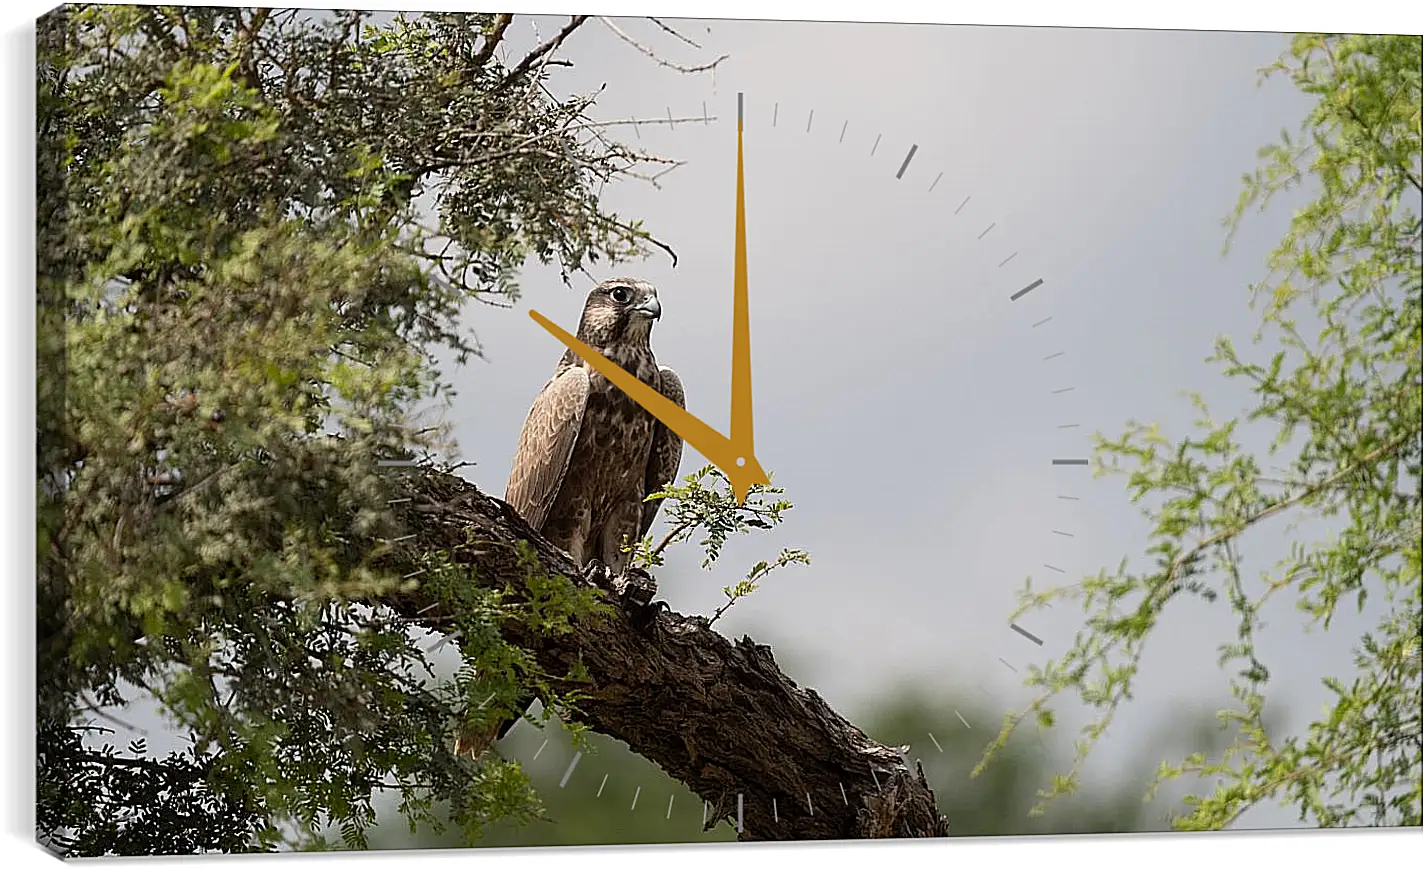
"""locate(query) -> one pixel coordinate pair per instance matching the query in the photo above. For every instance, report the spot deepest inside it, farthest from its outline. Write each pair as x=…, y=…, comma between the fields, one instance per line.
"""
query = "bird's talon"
x=598, y=574
x=636, y=587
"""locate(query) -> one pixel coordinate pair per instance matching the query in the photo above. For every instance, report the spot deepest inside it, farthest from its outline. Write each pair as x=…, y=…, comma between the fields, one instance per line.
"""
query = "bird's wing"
x=545, y=445
x=666, y=453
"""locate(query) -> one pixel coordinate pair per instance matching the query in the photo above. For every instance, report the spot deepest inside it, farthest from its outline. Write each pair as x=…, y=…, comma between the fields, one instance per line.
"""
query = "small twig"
x=653, y=179
x=654, y=55
x=717, y=614
x=668, y=538
x=650, y=239
x=94, y=708
x=674, y=33
x=433, y=162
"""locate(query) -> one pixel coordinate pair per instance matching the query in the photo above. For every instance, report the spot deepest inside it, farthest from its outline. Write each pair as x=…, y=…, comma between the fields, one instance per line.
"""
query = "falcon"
x=589, y=455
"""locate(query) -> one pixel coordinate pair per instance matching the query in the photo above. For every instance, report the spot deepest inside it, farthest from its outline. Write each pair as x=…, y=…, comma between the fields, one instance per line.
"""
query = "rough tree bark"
x=718, y=716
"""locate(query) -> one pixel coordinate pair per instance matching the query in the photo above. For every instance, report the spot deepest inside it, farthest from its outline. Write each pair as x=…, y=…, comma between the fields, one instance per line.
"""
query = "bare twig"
x=717, y=614
x=94, y=707
x=618, y=225
x=434, y=164
x=674, y=33
x=654, y=55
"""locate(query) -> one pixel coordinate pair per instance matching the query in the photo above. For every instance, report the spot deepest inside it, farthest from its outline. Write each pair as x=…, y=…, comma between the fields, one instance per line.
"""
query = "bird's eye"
x=621, y=295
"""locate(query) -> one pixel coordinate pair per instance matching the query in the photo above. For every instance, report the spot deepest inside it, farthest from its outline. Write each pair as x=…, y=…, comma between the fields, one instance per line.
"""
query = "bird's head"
x=620, y=311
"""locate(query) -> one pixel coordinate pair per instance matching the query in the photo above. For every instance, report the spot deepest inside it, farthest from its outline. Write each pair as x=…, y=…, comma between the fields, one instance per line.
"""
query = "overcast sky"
x=911, y=409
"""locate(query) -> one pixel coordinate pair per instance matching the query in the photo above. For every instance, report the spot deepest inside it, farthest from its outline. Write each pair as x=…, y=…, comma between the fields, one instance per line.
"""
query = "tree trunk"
x=718, y=716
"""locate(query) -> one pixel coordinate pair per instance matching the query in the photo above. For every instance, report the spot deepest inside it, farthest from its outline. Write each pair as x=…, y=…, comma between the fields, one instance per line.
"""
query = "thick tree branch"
x=575, y=22
x=718, y=716
x=492, y=40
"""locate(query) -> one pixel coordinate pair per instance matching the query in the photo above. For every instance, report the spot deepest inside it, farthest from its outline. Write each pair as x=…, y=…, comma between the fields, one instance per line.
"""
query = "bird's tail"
x=474, y=742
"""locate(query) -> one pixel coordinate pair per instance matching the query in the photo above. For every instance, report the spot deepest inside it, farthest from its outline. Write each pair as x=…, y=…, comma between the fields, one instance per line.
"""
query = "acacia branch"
x=1192, y=555
x=492, y=40
x=718, y=716
x=575, y=22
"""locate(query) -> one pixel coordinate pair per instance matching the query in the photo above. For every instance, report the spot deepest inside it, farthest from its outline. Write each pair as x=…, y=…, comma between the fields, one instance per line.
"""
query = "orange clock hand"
x=741, y=434
x=741, y=469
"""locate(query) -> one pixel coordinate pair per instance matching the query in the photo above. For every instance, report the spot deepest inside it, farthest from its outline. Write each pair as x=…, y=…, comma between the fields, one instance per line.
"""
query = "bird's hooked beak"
x=650, y=307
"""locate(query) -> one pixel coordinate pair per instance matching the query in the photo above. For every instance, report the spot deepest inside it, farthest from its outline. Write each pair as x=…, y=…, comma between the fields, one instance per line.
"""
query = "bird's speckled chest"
x=616, y=435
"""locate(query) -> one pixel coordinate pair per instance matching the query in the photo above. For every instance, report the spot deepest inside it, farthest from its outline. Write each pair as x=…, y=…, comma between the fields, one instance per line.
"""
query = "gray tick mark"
x=1038, y=282
x=1026, y=634
x=936, y=181
x=444, y=640
x=570, y=772
x=903, y=166
x=1070, y=462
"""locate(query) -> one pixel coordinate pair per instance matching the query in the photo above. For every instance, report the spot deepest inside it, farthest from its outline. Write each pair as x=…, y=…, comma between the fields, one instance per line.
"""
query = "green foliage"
x=1345, y=404
x=231, y=268
x=695, y=507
